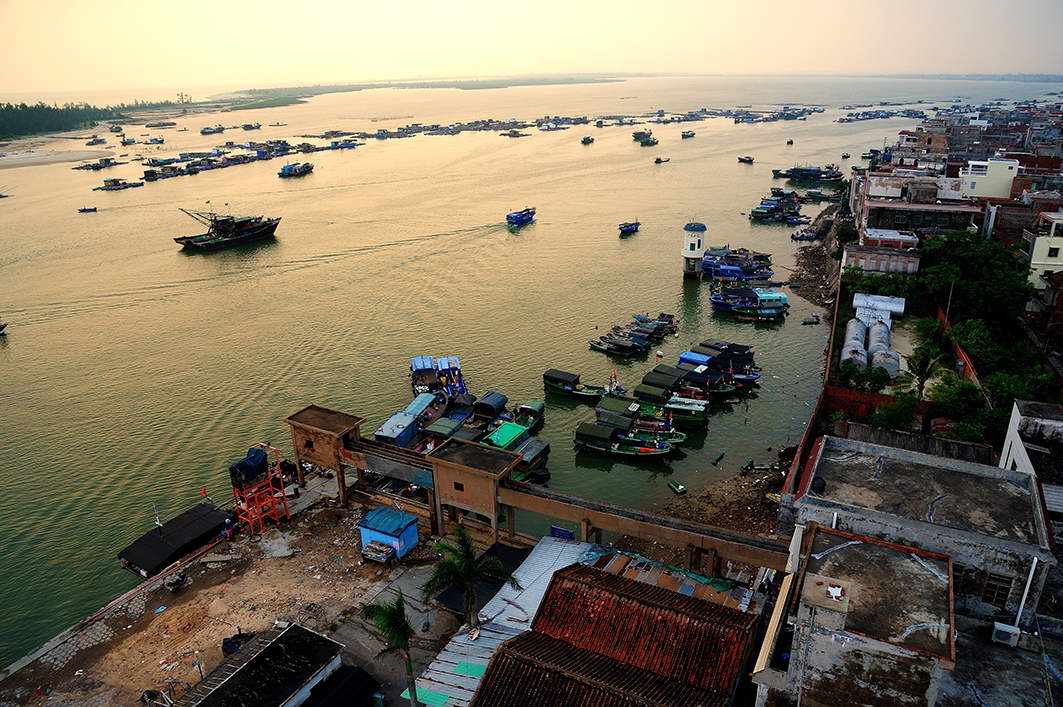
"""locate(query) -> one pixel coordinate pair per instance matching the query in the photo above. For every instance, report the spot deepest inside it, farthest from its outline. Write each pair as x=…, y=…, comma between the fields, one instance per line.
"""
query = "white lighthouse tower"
x=693, y=248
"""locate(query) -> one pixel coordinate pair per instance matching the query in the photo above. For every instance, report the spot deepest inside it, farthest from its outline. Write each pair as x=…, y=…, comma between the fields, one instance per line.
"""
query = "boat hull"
x=203, y=242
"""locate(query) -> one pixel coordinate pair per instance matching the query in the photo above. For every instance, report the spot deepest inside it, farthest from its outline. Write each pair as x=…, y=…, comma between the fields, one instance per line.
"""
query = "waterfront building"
x=991, y=178
x=990, y=521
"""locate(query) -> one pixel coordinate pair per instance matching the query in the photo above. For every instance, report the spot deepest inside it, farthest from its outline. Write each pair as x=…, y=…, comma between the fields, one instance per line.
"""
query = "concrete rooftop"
x=961, y=495
x=891, y=593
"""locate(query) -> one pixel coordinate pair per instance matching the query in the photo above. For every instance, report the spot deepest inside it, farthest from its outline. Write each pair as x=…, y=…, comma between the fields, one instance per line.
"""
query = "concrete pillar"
x=361, y=477
x=341, y=481
x=511, y=516
x=494, y=525
x=585, y=529
x=689, y=555
x=598, y=535
x=710, y=562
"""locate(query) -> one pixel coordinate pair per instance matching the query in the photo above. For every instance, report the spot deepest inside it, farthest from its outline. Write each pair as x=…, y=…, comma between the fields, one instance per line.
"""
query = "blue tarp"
x=447, y=364
x=421, y=363
x=490, y=401
x=421, y=403
x=387, y=521
x=695, y=358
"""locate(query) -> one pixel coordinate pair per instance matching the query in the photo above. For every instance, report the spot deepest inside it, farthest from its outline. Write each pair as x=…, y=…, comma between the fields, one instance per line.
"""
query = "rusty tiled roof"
x=688, y=640
x=535, y=670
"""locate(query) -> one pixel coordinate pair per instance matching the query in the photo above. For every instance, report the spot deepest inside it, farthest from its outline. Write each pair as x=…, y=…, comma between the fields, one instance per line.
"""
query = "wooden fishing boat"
x=556, y=381
x=745, y=159
x=677, y=487
x=607, y=439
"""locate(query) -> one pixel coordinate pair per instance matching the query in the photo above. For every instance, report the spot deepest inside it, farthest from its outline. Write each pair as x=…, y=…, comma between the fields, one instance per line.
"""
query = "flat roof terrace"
x=892, y=593
x=961, y=495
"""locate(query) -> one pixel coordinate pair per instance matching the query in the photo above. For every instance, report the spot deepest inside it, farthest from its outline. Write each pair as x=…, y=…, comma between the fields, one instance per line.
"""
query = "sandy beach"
x=10, y=159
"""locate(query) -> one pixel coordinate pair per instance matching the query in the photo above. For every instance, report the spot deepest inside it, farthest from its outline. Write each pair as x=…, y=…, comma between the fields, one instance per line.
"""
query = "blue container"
x=399, y=430
x=390, y=527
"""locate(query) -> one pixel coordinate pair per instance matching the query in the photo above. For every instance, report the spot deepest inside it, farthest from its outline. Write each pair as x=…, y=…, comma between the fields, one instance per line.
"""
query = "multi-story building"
x=1040, y=247
x=988, y=179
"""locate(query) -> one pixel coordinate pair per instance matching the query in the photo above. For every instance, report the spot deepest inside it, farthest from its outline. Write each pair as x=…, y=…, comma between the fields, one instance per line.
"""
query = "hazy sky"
x=71, y=46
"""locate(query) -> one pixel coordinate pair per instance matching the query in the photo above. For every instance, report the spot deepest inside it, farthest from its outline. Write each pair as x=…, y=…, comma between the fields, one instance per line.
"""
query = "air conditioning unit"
x=1006, y=633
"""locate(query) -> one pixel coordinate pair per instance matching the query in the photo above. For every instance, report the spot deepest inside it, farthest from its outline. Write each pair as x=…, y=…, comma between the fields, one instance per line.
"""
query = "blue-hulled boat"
x=520, y=218
x=443, y=375
x=629, y=227
x=298, y=169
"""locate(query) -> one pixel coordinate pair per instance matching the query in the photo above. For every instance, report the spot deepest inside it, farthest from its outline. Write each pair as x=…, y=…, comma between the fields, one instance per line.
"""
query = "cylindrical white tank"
x=878, y=338
x=856, y=354
x=854, y=333
x=888, y=360
x=894, y=305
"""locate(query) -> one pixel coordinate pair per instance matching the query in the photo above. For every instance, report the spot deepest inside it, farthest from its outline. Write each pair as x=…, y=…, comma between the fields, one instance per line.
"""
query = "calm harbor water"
x=135, y=372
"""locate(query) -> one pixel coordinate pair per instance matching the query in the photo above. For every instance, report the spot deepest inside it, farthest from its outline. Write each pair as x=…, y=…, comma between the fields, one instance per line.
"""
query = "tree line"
x=21, y=120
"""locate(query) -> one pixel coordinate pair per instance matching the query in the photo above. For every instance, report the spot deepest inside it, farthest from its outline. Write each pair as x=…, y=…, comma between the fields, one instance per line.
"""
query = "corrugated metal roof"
x=679, y=637
x=535, y=670
x=509, y=614
x=1053, y=497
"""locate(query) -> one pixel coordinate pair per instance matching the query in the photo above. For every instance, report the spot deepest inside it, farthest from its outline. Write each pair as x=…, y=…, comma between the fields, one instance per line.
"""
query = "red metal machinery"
x=262, y=496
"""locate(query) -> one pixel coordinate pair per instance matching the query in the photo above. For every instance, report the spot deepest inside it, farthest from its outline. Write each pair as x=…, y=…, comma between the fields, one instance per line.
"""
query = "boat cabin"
x=399, y=430
x=508, y=435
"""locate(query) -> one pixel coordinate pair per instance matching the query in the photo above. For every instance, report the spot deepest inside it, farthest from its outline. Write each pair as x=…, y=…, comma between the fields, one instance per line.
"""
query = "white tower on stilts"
x=693, y=248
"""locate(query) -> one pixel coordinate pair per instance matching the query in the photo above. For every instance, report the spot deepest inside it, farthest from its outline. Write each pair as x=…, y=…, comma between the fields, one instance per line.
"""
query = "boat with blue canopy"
x=521, y=218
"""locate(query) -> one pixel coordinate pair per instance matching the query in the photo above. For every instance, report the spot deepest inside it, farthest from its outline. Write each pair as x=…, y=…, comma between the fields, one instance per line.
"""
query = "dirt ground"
x=309, y=571
x=738, y=504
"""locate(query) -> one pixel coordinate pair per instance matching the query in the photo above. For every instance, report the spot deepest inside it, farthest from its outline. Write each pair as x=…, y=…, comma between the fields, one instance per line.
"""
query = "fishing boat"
x=217, y=129
x=616, y=348
x=522, y=217
x=629, y=227
x=117, y=185
x=3, y=328
x=530, y=414
x=845, y=155
x=296, y=170
x=508, y=436
x=790, y=142
x=745, y=159
x=648, y=142
x=687, y=133
x=602, y=438
x=227, y=231
x=677, y=487
x=87, y=210
x=443, y=375
x=758, y=314
x=556, y=381
x=129, y=141
x=661, y=160
x=96, y=141
x=251, y=126
x=804, y=235
x=642, y=134
x=587, y=140
x=816, y=175
x=814, y=319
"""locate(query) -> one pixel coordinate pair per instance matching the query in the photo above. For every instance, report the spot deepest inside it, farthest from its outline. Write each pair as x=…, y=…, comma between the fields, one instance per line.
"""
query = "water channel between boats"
x=135, y=372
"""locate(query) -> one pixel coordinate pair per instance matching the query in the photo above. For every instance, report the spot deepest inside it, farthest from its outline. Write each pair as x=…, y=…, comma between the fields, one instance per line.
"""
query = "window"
x=900, y=218
x=1053, y=252
x=917, y=219
x=943, y=220
x=692, y=247
x=459, y=486
x=973, y=185
x=996, y=591
x=308, y=444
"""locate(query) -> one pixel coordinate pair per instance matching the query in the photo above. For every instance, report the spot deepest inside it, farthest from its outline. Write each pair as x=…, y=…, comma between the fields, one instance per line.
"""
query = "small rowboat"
x=679, y=488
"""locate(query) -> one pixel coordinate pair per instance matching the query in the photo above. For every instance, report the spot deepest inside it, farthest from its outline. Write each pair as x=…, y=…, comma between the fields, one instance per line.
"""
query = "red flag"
x=226, y=203
x=208, y=201
x=203, y=492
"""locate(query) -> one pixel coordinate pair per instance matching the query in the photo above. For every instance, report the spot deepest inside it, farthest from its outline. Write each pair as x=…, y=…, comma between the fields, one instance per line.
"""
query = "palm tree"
x=394, y=625
x=922, y=364
x=461, y=567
